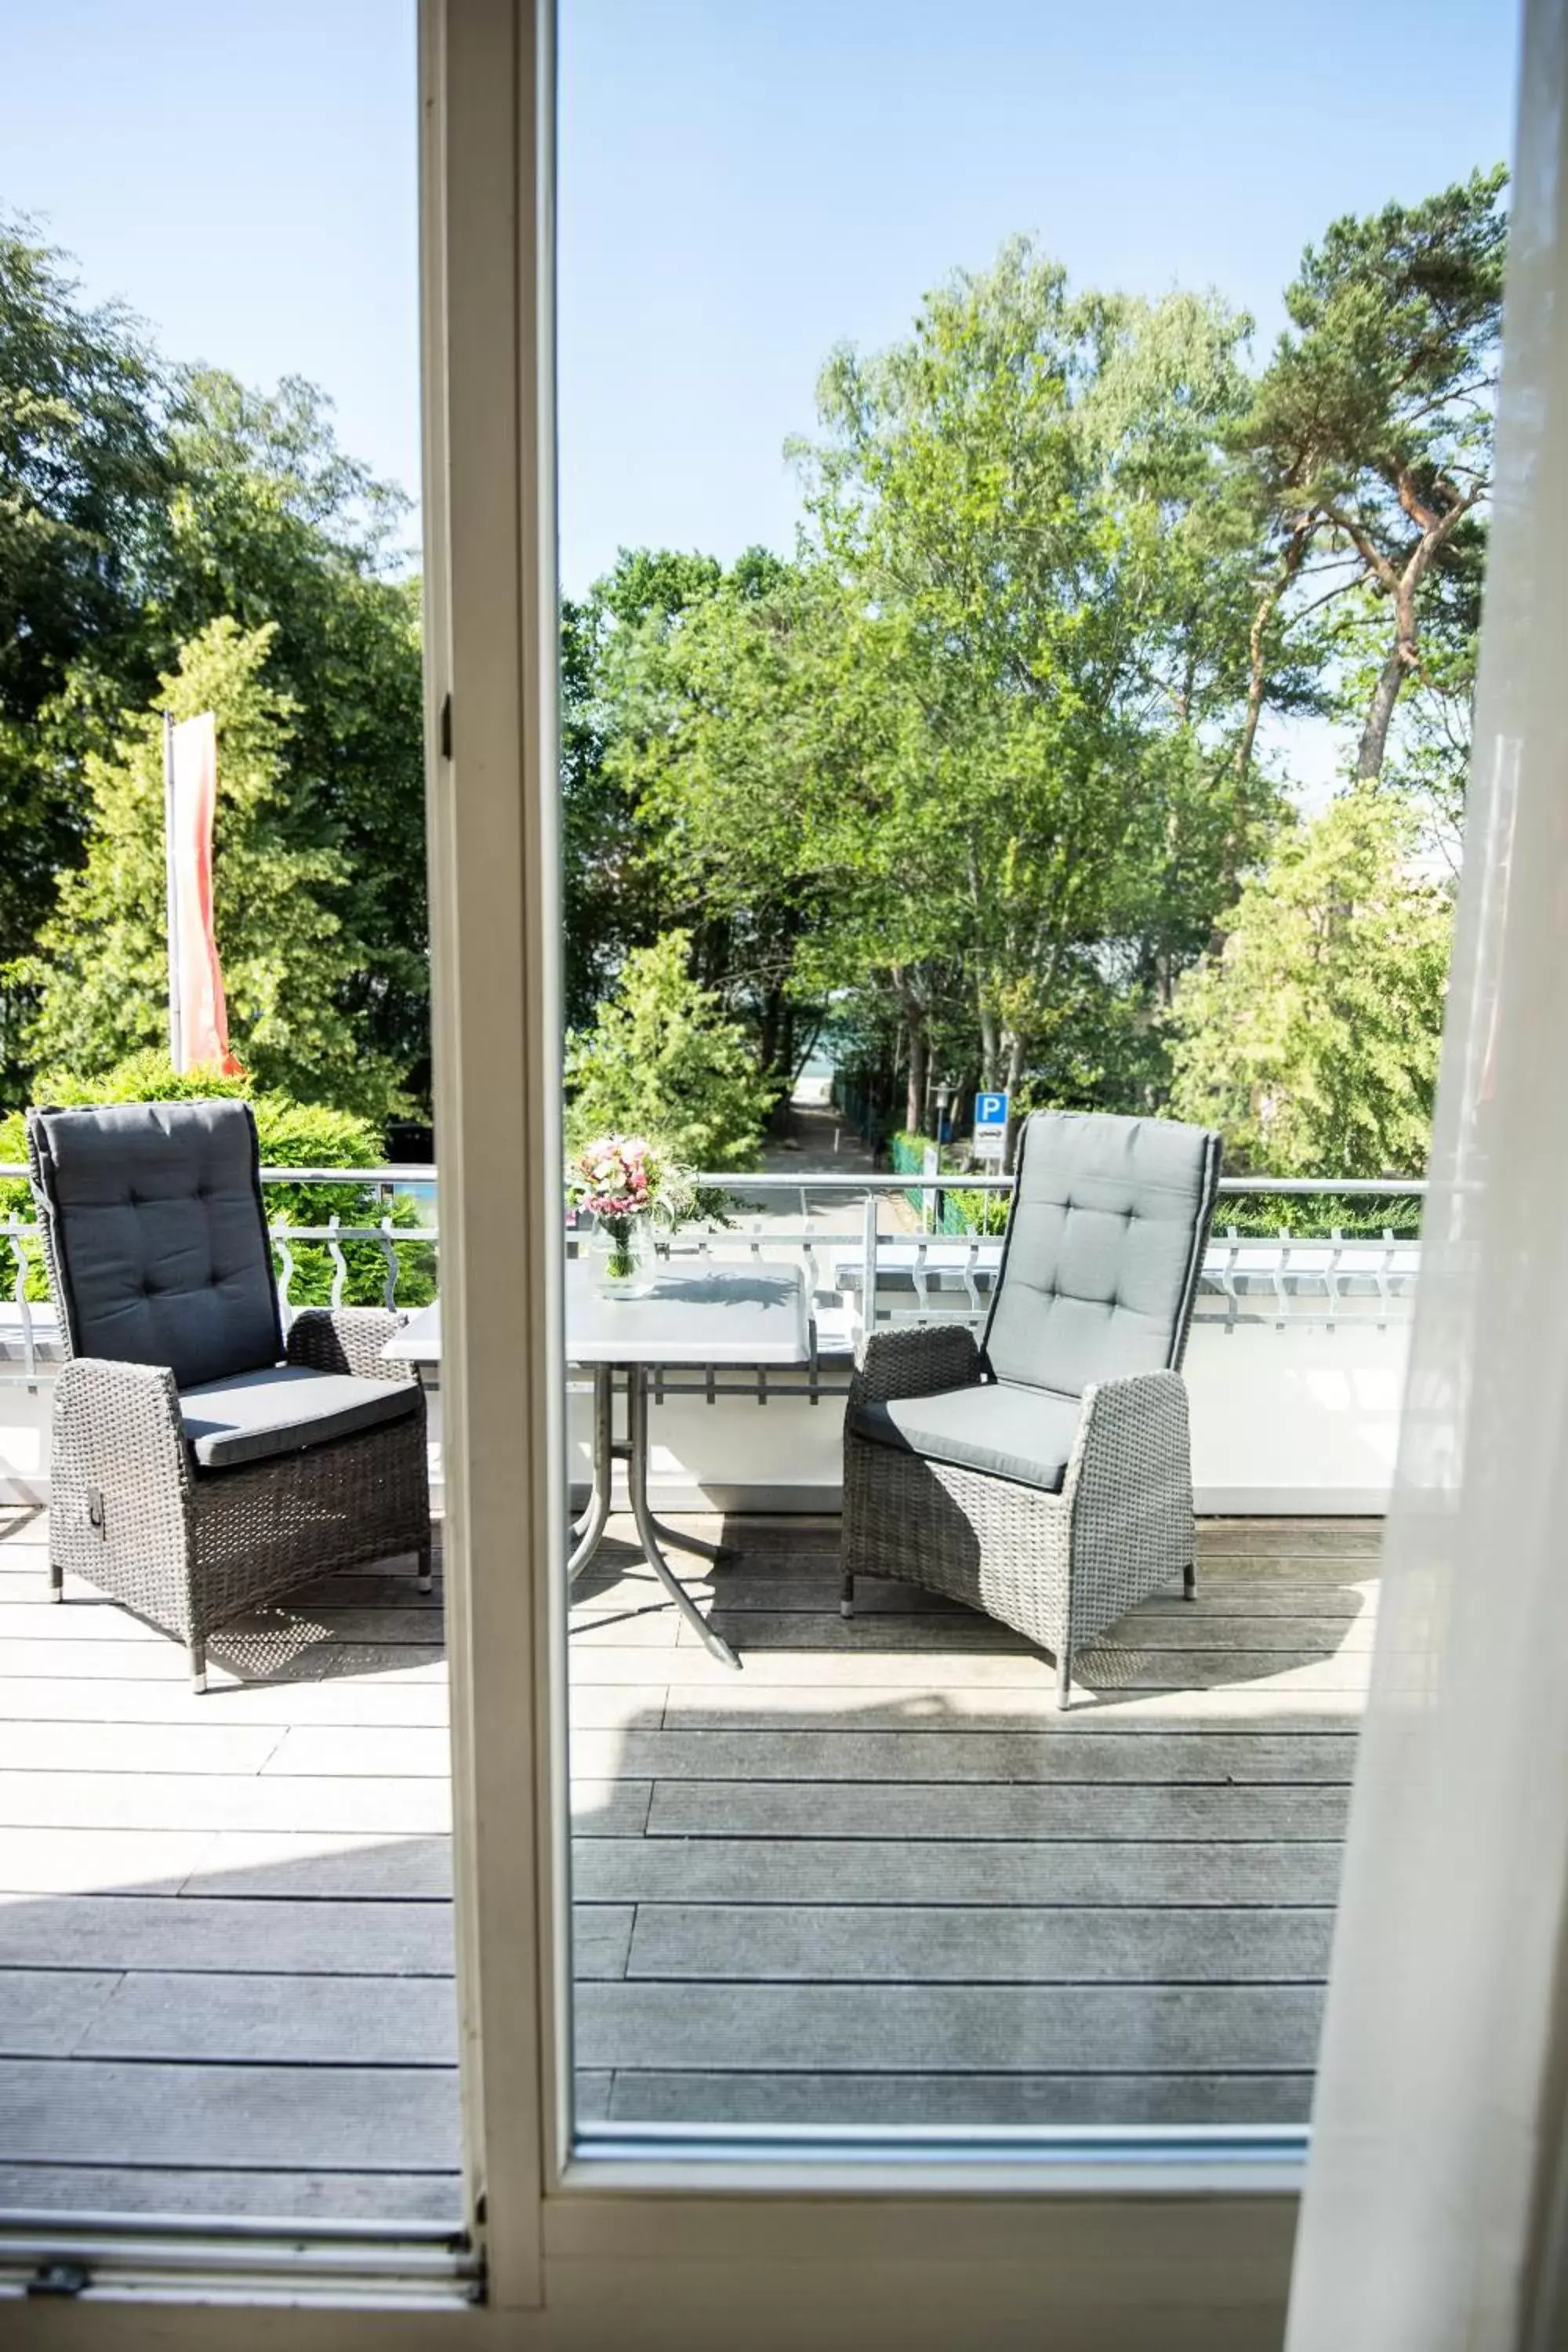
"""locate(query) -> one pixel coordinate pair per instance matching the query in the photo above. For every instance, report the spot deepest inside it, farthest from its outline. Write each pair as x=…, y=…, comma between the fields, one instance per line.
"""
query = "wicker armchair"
x=201, y=1467
x=1044, y=1474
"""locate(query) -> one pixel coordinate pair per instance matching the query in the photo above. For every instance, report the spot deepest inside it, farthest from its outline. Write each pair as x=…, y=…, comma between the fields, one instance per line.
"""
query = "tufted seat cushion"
x=1104, y=1246
x=253, y=1416
x=1021, y=1433
x=156, y=1233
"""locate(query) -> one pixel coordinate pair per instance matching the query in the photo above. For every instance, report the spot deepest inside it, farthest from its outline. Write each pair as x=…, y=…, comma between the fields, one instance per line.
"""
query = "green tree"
x=661, y=1060
x=279, y=863
x=1370, y=438
x=84, y=476
x=742, y=733
x=139, y=503
x=614, y=891
x=1032, y=497
x=274, y=527
x=1311, y=1040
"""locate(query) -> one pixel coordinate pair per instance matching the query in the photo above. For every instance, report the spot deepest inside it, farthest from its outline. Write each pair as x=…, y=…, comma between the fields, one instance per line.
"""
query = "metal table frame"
x=419, y=1343
x=588, y=1532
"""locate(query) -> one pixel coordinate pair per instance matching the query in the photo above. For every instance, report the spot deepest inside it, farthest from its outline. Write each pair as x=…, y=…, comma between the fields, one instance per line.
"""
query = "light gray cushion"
x=156, y=1226
x=256, y=1415
x=1104, y=1243
x=1023, y=1433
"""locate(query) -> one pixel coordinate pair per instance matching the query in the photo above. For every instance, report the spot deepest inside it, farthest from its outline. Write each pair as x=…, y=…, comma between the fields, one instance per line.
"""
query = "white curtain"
x=1434, y=2188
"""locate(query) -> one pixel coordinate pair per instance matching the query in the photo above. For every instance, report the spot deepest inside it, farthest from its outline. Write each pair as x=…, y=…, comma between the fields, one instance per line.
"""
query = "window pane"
x=995, y=759
x=225, y=1946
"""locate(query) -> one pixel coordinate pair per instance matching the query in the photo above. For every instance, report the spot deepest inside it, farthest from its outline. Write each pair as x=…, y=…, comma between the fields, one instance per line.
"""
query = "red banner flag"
x=199, y=1017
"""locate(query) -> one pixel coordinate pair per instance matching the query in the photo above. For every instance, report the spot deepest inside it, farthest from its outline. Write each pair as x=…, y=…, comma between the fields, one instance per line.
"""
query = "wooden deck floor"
x=875, y=1877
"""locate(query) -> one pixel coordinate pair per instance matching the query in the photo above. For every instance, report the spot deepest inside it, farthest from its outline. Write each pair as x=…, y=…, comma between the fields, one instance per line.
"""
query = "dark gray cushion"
x=156, y=1226
x=282, y=1409
x=1104, y=1243
x=1023, y=1433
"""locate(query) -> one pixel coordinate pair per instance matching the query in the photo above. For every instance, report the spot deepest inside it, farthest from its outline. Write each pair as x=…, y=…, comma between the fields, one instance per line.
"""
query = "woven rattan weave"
x=1060, y=1567
x=191, y=1550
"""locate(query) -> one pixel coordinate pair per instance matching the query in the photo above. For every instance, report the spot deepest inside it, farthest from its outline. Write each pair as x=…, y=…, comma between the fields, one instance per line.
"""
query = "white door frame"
x=707, y=2231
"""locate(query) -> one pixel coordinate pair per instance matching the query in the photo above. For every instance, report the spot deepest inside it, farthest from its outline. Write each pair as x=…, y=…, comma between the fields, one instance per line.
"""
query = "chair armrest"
x=1133, y=1446
x=349, y=1339
x=114, y=1420
x=921, y=1360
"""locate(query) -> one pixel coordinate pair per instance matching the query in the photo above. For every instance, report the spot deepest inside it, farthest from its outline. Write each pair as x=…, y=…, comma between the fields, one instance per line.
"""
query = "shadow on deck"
x=874, y=1878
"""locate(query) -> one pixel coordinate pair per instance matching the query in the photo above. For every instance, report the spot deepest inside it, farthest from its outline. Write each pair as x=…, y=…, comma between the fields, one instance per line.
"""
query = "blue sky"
x=743, y=184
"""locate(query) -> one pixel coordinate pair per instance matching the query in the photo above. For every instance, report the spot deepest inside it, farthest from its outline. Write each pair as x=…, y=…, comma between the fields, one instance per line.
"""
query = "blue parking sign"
x=990, y=1110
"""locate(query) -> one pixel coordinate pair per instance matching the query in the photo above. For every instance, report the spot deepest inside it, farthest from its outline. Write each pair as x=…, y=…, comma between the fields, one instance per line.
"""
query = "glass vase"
x=624, y=1259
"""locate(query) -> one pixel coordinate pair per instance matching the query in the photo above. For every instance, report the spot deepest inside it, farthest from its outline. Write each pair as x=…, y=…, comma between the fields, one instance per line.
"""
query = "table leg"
x=589, y=1531
x=718, y=1553
x=647, y=1527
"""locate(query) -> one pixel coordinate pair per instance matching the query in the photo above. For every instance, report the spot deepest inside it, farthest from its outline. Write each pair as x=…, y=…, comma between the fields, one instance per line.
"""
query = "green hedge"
x=292, y=1135
x=1312, y=1216
x=964, y=1210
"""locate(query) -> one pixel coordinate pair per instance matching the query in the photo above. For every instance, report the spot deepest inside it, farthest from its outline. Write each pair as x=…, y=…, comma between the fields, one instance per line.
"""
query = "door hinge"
x=446, y=727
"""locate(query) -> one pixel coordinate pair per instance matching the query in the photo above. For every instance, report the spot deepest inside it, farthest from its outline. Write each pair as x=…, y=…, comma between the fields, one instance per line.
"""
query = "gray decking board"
x=216, y=1934
x=651, y=2095
x=342, y=1700
x=275, y=2020
x=862, y=1666
x=810, y=2029
x=928, y=1814
x=179, y=2190
x=300, y=2118
x=855, y=1870
x=773, y=1943
x=913, y=1758
x=875, y=1878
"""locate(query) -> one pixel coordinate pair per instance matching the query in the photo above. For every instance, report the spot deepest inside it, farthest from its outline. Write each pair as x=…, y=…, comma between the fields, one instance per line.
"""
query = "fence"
x=858, y=1269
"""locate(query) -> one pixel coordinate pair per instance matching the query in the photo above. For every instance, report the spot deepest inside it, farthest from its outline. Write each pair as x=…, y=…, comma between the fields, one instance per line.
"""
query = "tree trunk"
x=768, y=1033
x=1015, y=1073
x=1405, y=653
x=1404, y=657
x=989, y=1052
x=1291, y=563
x=915, y=1101
x=783, y=1051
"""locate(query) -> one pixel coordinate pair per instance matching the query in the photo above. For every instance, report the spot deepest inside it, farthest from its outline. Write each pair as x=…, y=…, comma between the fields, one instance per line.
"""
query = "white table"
x=756, y=1314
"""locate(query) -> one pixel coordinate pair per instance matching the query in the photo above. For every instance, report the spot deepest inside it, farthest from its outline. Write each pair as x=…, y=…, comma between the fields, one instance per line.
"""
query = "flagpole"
x=171, y=897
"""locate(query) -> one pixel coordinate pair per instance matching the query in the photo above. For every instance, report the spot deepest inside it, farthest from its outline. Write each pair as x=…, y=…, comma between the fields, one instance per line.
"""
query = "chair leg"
x=57, y=1580
x=1189, y=1583
x=426, y=1562
x=198, y=1653
x=847, y=1594
x=1064, y=1673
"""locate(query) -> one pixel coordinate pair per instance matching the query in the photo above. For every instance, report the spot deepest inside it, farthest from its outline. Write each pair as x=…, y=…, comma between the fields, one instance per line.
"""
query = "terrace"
x=875, y=1879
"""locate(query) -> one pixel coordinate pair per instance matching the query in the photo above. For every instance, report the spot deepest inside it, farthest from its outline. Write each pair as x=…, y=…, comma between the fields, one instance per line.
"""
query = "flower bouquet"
x=630, y=1185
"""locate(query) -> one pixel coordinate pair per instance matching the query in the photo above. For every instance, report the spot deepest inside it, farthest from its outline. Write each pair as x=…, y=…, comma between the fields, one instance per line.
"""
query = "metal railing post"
x=868, y=1265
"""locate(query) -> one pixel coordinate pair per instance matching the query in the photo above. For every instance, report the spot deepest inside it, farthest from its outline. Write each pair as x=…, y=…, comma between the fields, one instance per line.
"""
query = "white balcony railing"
x=1295, y=1369
x=858, y=1267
